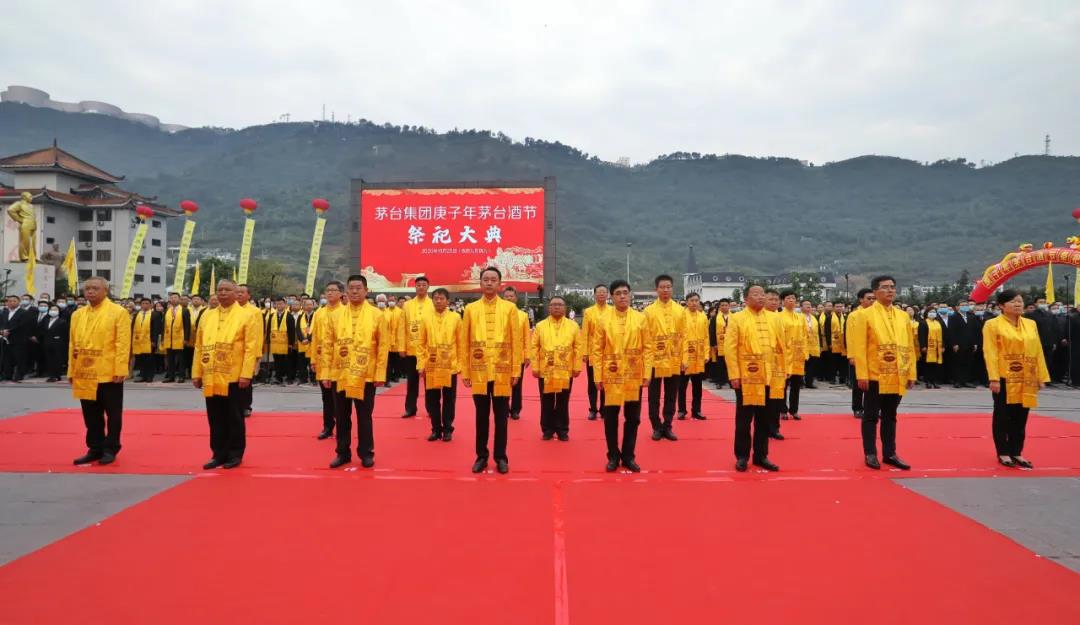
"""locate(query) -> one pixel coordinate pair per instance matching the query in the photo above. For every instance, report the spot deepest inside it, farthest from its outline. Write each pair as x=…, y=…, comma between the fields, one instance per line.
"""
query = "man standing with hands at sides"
x=226, y=349
x=590, y=326
x=749, y=349
x=720, y=323
x=695, y=352
x=879, y=338
x=281, y=328
x=813, y=343
x=395, y=322
x=243, y=300
x=144, y=330
x=358, y=340
x=322, y=359
x=416, y=309
x=558, y=347
x=438, y=361
x=796, y=337
x=664, y=329
x=98, y=351
x=866, y=300
x=619, y=354
x=177, y=334
x=491, y=360
x=509, y=294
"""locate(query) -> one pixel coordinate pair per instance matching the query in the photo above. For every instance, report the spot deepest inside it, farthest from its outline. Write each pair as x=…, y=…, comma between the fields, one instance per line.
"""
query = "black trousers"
x=842, y=365
x=412, y=383
x=761, y=417
x=857, y=396
x=515, y=393
x=281, y=367
x=248, y=395
x=794, y=389
x=631, y=411
x=303, y=368
x=554, y=410
x=826, y=368
x=670, y=385
x=174, y=364
x=775, y=407
x=393, y=364
x=594, y=392
x=961, y=366
x=721, y=371
x=1009, y=424
x=812, y=365
x=932, y=372
x=487, y=403
x=144, y=364
x=109, y=402
x=228, y=432
x=441, y=405
x=329, y=410
x=55, y=359
x=189, y=357
x=693, y=380
x=878, y=407
x=13, y=361
x=365, y=433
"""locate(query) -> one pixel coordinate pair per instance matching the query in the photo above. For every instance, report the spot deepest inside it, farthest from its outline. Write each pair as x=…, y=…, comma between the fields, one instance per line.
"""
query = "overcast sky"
x=815, y=80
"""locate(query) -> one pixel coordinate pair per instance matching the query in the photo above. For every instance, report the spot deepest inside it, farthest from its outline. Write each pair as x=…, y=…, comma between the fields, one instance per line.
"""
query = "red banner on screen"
x=450, y=235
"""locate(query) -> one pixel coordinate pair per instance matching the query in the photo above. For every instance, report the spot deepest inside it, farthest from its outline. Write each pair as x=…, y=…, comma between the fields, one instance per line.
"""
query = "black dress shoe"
x=857, y=413
x=740, y=465
x=631, y=466
x=325, y=434
x=247, y=413
x=479, y=465
x=1024, y=462
x=612, y=465
x=1006, y=461
x=515, y=415
x=548, y=436
x=796, y=417
x=447, y=437
x=408, y=415
x=563, y=436
x=54, y=380
x=698, y=416
x=776, y=436
x=766, y=464
x=213, y=464
x=784, y=417
x=895, y=461
x=232, y=464
x=682, y=415
x=168, y=380
x=107, y=458
x=340, y=460
x=502, y=466
x=670, y=435
x=91, y=456
x=435, y=436
x=657, y=435
x=872, y=462
x=592, y=415
x=367, y=462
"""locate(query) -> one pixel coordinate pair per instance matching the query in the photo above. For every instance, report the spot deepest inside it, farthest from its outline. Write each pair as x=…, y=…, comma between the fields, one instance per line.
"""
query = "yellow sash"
x=217, y=352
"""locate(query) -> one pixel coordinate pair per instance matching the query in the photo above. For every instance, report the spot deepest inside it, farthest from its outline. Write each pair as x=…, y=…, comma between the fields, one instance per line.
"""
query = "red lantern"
x=144, y=212
x=1076, y=213
x=189, y=207
x=249, y=205
x=1048, y=245
x=320, y=205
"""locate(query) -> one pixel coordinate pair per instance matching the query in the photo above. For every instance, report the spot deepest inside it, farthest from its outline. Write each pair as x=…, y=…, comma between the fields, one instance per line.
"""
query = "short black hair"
x=171, y=293
x=877, y=280
x=423, y=279
x=278, y=298
x=692, y=294
x=357, y=277
x=784, y=294
x=491, y=268
x=1006, y=296
x=863, y=292
x=724, y=300
x=509, y=289
x=618, y=284
x=557, y=297
x=441, y=291
x=599, y=286
x=773, y=291
x=660, y=278
x=337, y=283
x=145, y=299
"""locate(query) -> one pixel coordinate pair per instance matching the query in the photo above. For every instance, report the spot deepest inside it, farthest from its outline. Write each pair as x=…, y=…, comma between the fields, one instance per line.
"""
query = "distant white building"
x=718, y=284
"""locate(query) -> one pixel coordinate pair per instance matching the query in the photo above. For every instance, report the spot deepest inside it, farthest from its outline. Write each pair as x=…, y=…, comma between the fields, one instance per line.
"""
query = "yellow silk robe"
x=257, y=314
x=664, y=329
x=620, y=352
x=795, y=341
x=303, y=329
x=226, y=348
x=1014, y=354
x=491, y=345
x=557, y=348
x=695, y=343
x=279, y=333
x=174, y=328
x=322, y=358
x=721, y=333
x=99, y=347
x=879, y=341
x=750, y=348
x=395, y=323
x=437, y=357
x=935, y=346
x=415, y=311
x=592, y=320
x=196, y=316
x=526, y=335
x=358, y=339
x=141, y=342
x=813, y=335
x=778, y=381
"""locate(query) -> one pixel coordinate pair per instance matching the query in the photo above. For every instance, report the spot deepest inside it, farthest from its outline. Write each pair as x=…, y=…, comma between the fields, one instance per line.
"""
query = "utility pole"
x=1047, y=152
x=628, y=244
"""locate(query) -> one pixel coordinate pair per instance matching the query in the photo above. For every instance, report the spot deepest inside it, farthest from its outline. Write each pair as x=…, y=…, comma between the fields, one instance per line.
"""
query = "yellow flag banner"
x=133, y=259
x=181, y=258
x=195, y=279
x=245, y=248
x=313, y=259
x=212, y=289
x=234, y=278
x=70, y=268
x=1050, y=284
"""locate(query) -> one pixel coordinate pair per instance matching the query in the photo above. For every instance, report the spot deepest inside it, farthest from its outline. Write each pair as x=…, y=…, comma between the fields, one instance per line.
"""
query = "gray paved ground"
x=39, y=508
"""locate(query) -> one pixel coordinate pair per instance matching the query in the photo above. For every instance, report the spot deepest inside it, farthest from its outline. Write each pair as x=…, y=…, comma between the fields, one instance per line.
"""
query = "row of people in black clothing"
x=33, y=338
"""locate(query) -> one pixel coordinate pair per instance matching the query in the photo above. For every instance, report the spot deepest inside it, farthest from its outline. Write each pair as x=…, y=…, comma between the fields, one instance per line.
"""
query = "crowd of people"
x=348, y=342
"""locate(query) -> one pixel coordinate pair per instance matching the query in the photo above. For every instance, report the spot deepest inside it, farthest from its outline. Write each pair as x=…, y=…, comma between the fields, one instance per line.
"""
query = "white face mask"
x=931, y=315
x=392, y=304
x=381, y=304
x=61, y=305
x=54, y=313
x=26, y=303
x=322, y=302
x=266, y=305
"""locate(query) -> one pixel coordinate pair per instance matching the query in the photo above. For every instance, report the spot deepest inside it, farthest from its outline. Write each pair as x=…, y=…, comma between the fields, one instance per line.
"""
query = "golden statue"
x=22, y=213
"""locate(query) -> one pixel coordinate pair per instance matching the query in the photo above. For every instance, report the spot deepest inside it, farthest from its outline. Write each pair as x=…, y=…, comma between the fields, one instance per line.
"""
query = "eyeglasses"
x=887, y=287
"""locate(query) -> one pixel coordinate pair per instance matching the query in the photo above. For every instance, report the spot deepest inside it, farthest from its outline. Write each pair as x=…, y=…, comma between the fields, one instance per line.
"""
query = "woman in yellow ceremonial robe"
x=99, y=347
x=558, y=349
x=144, y=337
x=796, y=334
x=695, y=348
x=438, y=362
x=1017, y=370
x=931, y=349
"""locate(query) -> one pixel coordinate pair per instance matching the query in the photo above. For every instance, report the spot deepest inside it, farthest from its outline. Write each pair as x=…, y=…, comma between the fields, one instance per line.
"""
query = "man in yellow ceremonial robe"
x=750, y=346
x=510, y=294
x=226, y=349
x=358, y=340
x=813, y=343
x=395, y=321
x=778, y=383
x=593, y=320
x=415, y=310
x=879, y=339
x=719, y=328
x=177, y=334
x=695, y=354
x=322, y=359
x=243, y=299
x=865, y=298
x=558, y=349
x=491, y=347
x=144, y=333
x=796, y=335
x=99, y=347
x=665, y=327
x=438, y=360
x=281, y=332
x=932, y=348
x=619, y=354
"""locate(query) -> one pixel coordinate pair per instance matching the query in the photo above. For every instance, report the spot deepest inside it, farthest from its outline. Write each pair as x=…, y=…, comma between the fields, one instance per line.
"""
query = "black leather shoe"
x=90, y=456
x=479, y=465
x=502, y=466
x=447, y=437
x=58, y=379
x=631, y=466
x=777, y=436
x=548, y=436
x=563, y=436
x=515, y=415
x=340, y=460
x=1023, y=462
x=657, y=435
x=367, y=462
x=107, y=458
x=435, y=436
x=872, y=462
x=592, y=415
x=895, y=461
x=766, y=464
x=698, y=416
x=784, y=417
x=858, y=414
x=612, y=465
x=213, y=464
x=1006, y=461
x=325, y=434
x=247, y=413
x=232, y=464
x=796, y=417
x=682, y=415
x=408, y=415
x=740, y=465
x=668, y=434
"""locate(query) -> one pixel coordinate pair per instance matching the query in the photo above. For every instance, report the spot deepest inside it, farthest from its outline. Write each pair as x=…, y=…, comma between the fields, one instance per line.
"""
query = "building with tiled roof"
x=714, y=284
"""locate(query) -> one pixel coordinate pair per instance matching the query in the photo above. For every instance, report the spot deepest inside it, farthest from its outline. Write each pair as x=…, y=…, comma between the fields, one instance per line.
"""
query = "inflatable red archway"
x=1019, y=262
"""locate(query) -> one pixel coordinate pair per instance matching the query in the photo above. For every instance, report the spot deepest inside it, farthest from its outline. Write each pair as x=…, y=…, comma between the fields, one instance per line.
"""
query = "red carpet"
x=420, y=540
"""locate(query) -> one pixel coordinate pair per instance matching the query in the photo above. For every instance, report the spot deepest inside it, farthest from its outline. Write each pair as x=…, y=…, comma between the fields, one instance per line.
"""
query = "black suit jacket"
x=55, y=336
x=20, y=323
x=964, y=331
x=1044, y=321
